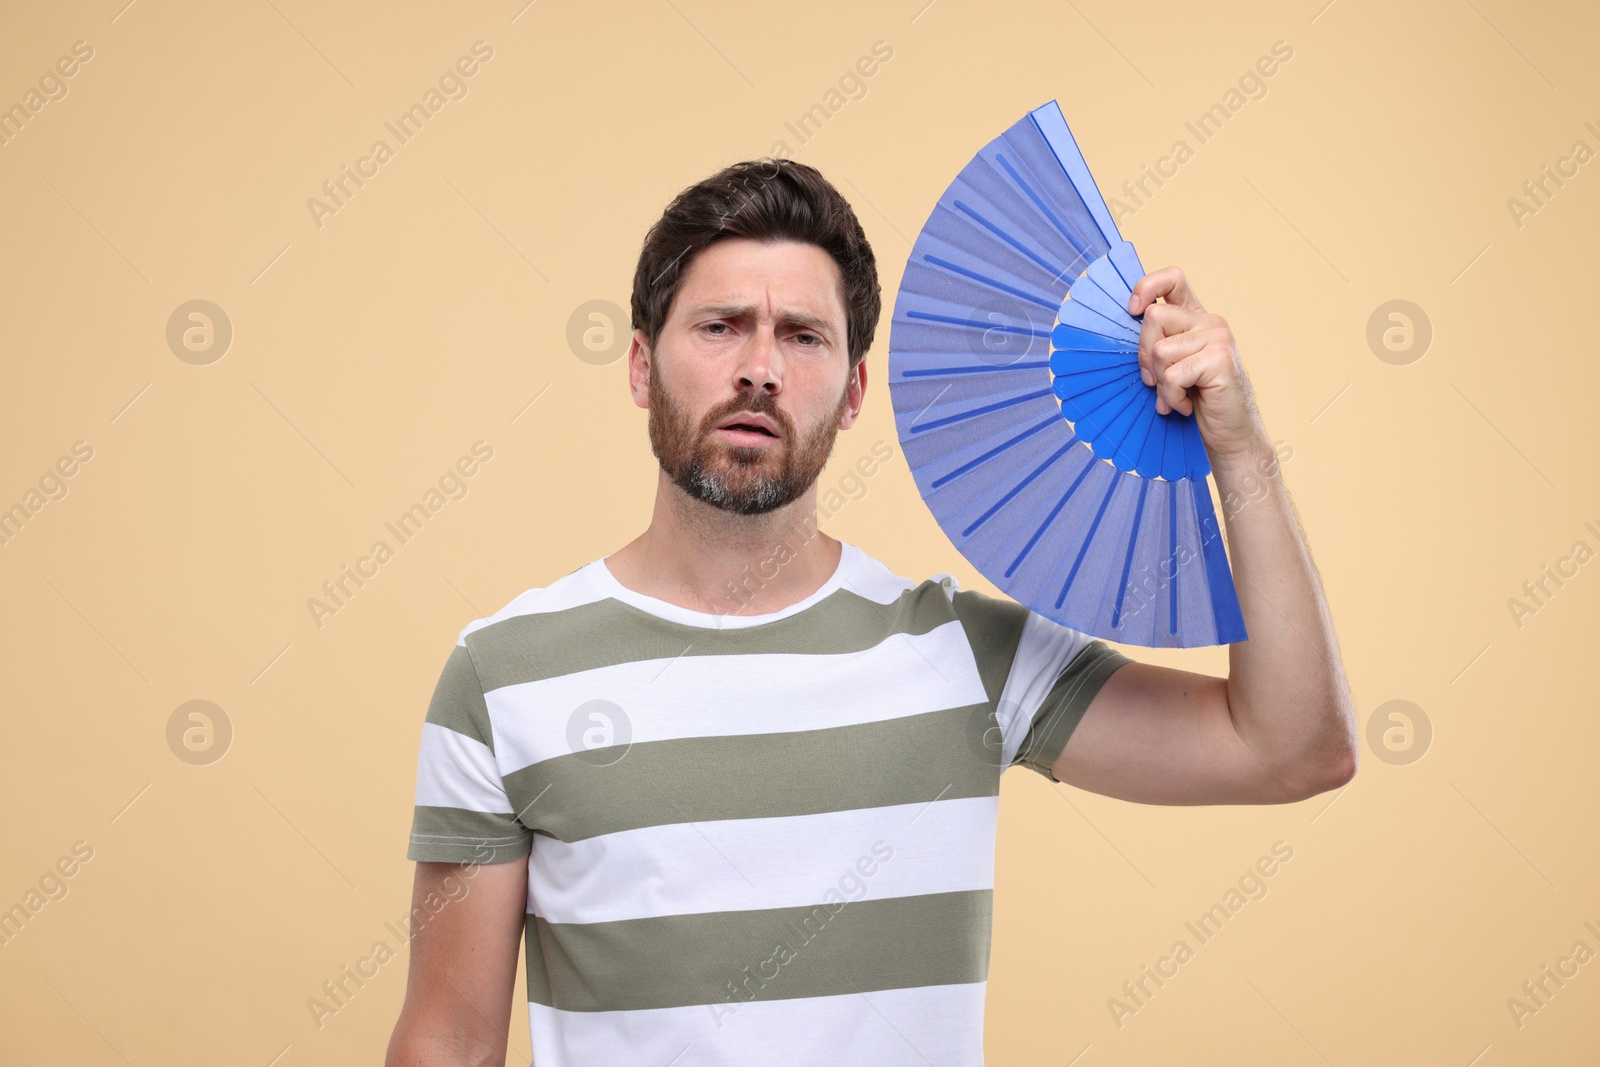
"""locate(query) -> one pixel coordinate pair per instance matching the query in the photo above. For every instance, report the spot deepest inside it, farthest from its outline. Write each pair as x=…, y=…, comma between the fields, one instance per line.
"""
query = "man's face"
x=747, y=386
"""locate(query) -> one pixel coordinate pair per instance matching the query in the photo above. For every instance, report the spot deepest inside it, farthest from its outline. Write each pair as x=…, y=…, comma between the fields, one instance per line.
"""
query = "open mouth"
x=748, y=427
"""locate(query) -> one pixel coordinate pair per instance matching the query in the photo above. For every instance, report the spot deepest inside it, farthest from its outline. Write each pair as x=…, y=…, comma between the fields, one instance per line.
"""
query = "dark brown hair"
x=765, y=200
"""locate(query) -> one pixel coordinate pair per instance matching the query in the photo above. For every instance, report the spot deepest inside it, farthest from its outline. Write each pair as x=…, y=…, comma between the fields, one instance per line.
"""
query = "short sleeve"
x=1046, y=675
x=462, y=814
x=1055, y=674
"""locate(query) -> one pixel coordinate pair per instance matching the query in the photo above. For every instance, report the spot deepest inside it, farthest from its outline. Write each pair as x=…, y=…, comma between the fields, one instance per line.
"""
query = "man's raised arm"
x=1280, y=727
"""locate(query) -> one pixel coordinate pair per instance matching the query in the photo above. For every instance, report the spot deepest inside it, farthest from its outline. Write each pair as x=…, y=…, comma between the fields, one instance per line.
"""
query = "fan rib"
x=1172, y=563
x=1224, y=599
x=1048, y=519
x=1088, y=539
x=1075, y=359
x=1081, y=249
x=1019, y=487
x=1120, y=430
x=1103, y=437
x=1051, y=125
x=951, y=320
x=975, y=412
x=1064, y=335
x=1127, y=562
x=1055, y=272
x=924, y=372
x=1092, y=412
x=1133, y=463
x=1091, y=379
x=1121, y=330
x=939, y=482
x=1149, y=465
x=1195, y=461
x=1009, y=290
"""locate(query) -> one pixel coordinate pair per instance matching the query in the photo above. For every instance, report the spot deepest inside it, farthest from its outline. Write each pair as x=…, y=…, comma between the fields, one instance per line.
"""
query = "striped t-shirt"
x=751, y=839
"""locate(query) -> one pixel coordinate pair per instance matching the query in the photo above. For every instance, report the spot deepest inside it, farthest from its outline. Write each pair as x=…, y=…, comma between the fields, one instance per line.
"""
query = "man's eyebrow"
x=794, y=316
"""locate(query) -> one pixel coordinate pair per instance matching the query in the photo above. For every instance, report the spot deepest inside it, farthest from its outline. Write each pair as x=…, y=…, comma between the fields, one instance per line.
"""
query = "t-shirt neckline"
x=601, y=575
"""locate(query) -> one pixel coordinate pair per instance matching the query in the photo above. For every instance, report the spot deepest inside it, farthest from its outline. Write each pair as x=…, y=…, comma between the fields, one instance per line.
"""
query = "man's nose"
x=762, y=365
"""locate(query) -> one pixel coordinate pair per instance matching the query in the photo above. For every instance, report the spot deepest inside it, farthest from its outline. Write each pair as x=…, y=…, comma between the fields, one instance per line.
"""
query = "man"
x=735, y=785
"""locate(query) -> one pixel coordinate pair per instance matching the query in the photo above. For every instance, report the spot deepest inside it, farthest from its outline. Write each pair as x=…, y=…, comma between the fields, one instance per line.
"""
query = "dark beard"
x=734, y=478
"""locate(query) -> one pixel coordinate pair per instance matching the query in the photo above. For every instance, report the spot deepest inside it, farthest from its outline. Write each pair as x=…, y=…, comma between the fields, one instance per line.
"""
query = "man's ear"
x=855, y=391
x=639, y=369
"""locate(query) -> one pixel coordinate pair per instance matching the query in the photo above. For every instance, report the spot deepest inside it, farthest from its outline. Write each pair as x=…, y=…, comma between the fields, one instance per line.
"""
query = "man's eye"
x=710, y=325
x=813, y=337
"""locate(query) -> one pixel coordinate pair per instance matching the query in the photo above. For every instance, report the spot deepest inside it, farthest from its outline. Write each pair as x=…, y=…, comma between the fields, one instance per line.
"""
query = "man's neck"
x=705, y=559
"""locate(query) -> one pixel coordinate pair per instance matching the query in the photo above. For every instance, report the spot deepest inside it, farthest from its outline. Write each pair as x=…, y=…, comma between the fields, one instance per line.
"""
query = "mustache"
x=765, y=406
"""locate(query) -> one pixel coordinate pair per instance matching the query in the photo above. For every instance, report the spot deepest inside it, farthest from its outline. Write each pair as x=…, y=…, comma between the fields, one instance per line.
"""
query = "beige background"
x=432, y=310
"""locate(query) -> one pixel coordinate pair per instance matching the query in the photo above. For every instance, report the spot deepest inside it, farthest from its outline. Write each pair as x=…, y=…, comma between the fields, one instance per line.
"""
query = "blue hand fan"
x=1014, y=376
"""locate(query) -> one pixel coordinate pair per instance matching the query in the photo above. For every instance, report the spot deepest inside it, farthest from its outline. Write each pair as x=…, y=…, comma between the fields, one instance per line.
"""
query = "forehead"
x=795, y=276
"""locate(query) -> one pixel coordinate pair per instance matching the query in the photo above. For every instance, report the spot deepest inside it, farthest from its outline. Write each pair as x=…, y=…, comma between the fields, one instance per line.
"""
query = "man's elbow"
x=1330, y=767
x=415, y=1046
x=1336, y=771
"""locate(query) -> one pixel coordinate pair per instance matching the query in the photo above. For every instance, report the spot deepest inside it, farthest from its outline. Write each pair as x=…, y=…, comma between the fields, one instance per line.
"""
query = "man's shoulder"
x=873, y=572
x=874, y=579
x=535, y=605
x=993, y=624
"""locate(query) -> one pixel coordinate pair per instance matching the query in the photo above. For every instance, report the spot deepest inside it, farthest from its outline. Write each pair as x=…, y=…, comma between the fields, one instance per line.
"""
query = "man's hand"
x=1281, y=727
x=1189, y=355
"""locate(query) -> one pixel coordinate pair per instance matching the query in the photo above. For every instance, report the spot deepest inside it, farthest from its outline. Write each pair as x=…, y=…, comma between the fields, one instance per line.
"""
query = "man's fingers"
x=1181, y=364
x=1169, y=350
x=1169, y=283
x=1162, y=321
x=1165, y=349
x=1206, y=366
x=1181, y=376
